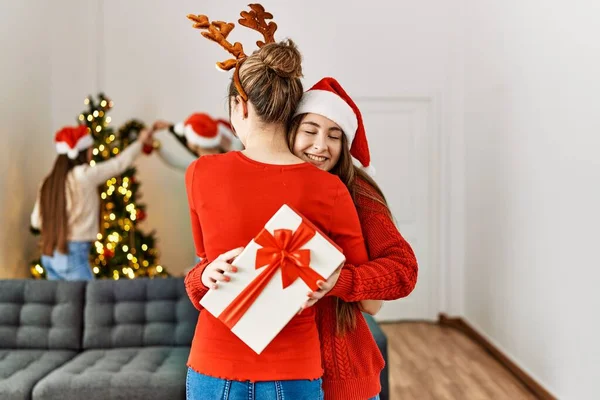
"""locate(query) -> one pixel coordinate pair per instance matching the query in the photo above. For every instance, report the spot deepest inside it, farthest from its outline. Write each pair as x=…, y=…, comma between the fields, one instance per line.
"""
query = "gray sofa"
x=104, y=339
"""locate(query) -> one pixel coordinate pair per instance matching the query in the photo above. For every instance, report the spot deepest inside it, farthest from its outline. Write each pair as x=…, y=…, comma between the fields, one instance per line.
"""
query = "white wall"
x=532, y=135
x=25, y=115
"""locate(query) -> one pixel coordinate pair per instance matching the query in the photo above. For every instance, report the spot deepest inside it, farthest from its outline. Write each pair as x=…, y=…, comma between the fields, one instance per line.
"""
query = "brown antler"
x=255, y=19
x=218, y=32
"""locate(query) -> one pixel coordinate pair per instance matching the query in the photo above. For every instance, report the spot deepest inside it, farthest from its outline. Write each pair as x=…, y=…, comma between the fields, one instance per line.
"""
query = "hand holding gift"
x=275, y=272
x=324, y=288
x=215, y=271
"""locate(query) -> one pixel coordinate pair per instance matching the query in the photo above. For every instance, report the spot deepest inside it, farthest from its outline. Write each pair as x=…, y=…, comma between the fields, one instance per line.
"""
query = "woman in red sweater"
x=231, y=196
x=328, y=131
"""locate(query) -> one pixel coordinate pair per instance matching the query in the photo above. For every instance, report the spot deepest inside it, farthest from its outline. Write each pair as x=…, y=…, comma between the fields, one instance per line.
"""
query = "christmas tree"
x=121, y=249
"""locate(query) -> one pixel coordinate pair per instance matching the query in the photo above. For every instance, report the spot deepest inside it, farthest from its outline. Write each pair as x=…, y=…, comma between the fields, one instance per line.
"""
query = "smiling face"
x=318, y=141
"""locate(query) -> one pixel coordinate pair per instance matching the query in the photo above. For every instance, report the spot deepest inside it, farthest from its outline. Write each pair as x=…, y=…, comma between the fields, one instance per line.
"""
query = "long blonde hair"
x=349, y=175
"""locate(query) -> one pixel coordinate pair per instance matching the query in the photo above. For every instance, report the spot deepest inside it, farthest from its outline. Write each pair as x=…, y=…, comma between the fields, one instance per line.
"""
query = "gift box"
x=276, y=270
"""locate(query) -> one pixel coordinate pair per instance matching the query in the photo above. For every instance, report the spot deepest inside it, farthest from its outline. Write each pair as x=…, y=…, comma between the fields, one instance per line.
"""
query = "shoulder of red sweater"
x=366, y=196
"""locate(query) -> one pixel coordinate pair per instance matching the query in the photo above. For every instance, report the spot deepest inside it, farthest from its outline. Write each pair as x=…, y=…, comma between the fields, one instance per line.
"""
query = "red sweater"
x=231, y=198
x=353, y=362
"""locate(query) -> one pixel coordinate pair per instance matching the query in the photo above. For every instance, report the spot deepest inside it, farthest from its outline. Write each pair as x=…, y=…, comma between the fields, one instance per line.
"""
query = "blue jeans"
x=203, y=387
x=374, y=398
x=74, y=266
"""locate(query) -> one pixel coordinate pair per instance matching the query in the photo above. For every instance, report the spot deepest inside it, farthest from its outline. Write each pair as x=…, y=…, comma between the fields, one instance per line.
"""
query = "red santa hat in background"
x=70, y=140
x=329, y=99
x=202, y=130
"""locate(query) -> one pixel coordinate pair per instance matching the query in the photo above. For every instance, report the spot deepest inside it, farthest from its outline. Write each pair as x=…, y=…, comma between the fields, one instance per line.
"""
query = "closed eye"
x=310, y=132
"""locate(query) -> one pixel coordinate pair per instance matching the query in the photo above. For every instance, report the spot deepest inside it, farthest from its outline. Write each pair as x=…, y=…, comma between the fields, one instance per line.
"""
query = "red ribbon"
x=283, y=250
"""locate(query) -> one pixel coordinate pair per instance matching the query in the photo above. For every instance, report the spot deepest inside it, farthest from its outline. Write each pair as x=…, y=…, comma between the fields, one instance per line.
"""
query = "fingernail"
x=227, y=279
x=233, y=269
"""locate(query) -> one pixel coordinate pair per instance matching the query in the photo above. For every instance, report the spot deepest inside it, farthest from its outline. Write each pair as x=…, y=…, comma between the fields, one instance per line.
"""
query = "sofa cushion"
x=20, y=370
x=124, y=373
x=138, y=312
x=41, y=314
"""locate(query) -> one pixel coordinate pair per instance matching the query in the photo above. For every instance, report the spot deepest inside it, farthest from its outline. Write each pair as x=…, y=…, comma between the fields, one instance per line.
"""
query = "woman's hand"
x=324, y=288
x=160, y=125
x=145, y=136
x=215, y=271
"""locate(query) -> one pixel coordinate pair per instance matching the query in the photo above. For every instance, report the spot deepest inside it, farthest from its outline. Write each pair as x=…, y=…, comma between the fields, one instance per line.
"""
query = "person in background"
x=200, y=134
x=67, y=206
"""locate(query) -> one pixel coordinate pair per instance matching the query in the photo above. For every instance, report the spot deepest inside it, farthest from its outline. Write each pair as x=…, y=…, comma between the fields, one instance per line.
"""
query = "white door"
x=404, y=153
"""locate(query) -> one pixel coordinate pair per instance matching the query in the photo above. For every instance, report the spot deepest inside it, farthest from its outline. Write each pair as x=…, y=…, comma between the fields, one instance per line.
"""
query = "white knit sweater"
x=83, y=202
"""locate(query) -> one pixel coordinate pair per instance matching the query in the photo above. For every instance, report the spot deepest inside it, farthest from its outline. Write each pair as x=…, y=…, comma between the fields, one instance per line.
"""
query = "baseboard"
x=531, y=384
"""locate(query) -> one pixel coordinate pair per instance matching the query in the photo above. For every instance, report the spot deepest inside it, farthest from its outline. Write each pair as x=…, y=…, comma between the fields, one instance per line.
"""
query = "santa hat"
x=70, y=140
x=202, y=130
x=329, y=99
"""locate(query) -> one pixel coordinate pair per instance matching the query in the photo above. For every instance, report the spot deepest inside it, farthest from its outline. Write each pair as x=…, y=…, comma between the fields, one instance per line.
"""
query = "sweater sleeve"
x=392, y=270
x=193, y=280
x=170, y=157
x=115, y=166
x=36, y=218
x=345, y=228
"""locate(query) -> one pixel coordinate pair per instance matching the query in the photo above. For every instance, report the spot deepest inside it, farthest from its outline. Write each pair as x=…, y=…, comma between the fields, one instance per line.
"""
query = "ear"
x=244, y=105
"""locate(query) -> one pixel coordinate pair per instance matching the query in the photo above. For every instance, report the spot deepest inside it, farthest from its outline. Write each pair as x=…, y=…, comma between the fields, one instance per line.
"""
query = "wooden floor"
x=427, y=361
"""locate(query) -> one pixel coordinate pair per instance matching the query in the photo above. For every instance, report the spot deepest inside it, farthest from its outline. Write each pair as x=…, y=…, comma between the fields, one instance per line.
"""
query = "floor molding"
x=461, y=325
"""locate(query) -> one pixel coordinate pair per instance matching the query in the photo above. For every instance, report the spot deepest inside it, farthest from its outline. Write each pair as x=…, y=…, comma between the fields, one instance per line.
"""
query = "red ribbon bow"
x=283, y=250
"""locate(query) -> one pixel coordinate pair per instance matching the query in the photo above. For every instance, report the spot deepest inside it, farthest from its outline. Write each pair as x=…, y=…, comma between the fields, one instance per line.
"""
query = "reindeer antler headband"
x=219, y=30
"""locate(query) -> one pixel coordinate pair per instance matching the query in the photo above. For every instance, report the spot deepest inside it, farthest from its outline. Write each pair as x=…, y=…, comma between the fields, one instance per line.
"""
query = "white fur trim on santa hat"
x=83, y=143
x=369, y=170
x=208, y=143
x=332, y=106
x=224, y=130
x=179, y=128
